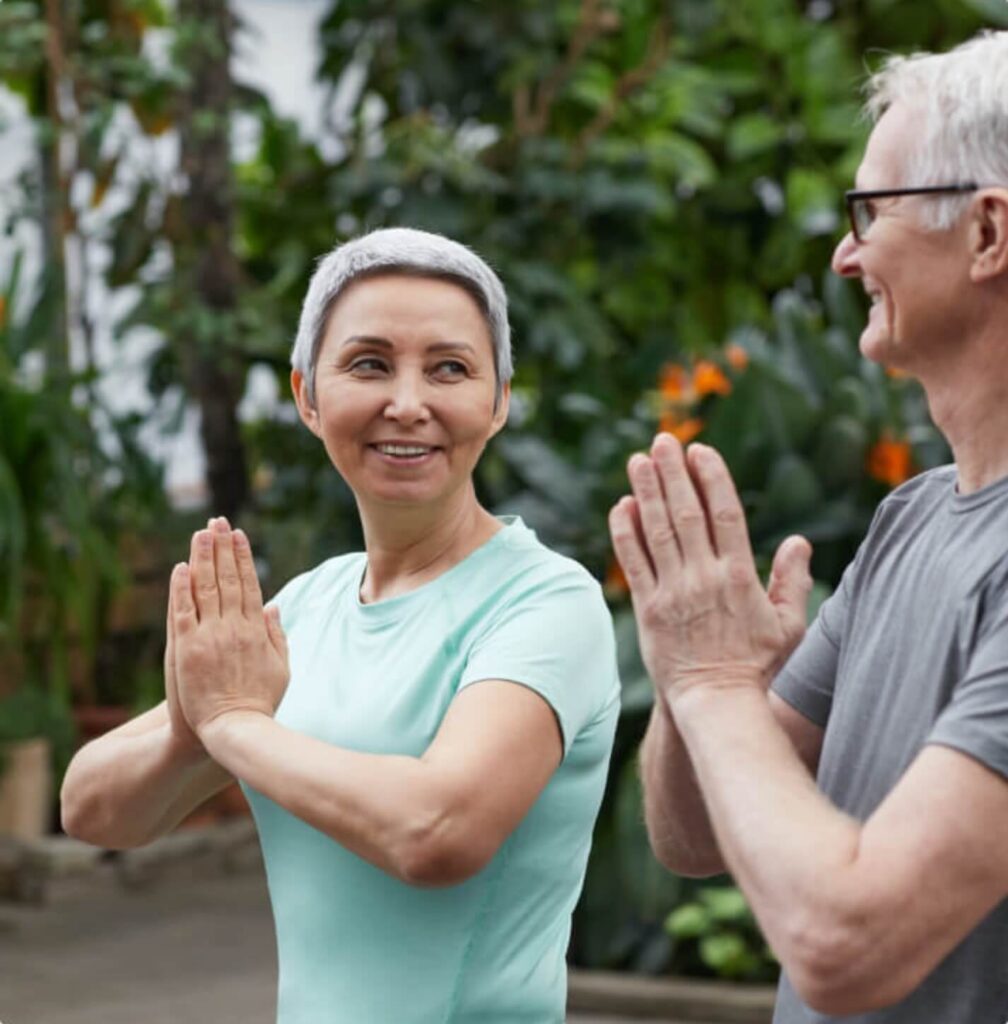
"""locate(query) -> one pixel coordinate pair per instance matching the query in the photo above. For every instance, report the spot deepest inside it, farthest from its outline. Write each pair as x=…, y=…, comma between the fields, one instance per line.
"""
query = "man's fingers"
x=791, y=582
x=629, y=548
x=229, y=585
x=658, y=535
x=685, y=509
x=725, y=514
x=203, y=575
x=252, y=603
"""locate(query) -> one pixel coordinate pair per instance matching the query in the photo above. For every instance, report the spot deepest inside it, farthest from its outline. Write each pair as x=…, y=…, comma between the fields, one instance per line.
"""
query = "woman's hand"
x=703, y=616
x=181, y=731
x=230, y=654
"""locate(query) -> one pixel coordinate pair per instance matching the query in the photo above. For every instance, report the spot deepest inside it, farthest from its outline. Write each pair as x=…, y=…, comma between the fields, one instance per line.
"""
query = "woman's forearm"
x=394, y=811
x=128, y=787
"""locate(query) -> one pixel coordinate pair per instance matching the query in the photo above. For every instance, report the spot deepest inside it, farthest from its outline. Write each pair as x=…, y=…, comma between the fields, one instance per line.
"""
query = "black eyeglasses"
x=861, y=206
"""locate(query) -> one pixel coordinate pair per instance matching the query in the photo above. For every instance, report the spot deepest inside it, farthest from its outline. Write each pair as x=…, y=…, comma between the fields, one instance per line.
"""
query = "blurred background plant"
x=659, y=184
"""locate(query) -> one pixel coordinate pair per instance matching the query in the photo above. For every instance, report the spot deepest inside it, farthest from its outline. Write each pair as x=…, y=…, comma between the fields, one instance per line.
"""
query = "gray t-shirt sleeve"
x=975, y=721
x=807, y=678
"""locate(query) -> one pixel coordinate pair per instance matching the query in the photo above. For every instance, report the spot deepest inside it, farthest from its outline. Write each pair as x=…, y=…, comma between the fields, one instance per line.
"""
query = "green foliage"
x=718, y=927
x=652, y=180
x=31, y=713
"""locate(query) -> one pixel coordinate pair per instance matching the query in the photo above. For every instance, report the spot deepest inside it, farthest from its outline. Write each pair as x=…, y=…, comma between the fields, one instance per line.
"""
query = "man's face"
x=916, y=278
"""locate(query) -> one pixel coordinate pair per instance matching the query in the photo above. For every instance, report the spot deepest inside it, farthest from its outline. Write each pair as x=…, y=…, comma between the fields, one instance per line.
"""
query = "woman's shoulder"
x=322, y=583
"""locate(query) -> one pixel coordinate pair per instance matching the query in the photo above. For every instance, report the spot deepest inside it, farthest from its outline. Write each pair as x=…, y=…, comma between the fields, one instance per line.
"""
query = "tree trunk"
x=207, y=266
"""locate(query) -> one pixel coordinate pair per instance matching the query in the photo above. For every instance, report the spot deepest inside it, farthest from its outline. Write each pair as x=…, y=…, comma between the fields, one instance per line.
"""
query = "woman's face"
x=404, y=389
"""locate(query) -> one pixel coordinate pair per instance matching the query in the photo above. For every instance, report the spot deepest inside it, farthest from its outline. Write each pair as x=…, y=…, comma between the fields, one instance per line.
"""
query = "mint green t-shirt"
x=357, y=946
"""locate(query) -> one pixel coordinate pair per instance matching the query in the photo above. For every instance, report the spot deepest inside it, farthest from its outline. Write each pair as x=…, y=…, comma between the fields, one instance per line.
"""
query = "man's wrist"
x=682, y=700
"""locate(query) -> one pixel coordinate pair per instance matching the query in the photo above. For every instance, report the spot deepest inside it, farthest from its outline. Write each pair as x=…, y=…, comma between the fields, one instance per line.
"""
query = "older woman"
x=426, y=774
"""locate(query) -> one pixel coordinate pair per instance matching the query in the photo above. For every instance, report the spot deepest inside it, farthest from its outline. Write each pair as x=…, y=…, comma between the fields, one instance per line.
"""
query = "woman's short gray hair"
x=400, y=251
x=962, y=97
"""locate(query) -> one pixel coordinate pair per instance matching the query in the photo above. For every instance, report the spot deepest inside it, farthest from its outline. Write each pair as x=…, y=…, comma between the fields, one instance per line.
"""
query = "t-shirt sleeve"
x=556, y=638
x=975, y=721
x=806, y=681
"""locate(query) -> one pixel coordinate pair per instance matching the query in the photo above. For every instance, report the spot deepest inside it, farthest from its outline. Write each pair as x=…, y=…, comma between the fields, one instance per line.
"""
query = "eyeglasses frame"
x=855, y=195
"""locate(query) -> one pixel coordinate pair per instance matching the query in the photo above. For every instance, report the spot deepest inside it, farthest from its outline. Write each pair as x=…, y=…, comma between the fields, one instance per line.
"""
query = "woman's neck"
x=408, y=547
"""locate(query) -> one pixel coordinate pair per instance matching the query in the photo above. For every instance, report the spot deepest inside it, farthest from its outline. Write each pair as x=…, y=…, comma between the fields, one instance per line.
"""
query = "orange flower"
x=615, y=581
x=738, y=358
x=684, y=430
x=673, y=382
x=890, y=461
x=709, y=379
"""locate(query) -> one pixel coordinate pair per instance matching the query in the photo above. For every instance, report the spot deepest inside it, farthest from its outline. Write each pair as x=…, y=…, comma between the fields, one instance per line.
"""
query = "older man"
x=861, y=803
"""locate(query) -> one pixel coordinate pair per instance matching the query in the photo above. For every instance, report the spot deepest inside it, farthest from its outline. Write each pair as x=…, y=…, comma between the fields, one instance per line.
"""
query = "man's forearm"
x=123, y=790
x=674, y=809
x=787, y=846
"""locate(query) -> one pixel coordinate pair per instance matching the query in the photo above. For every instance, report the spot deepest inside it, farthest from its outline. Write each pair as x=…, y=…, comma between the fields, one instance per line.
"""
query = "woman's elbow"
x=441, y=850
x=84, y=816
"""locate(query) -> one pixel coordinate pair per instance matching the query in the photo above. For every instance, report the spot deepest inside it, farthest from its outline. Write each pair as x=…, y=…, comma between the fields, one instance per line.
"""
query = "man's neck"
x=968, y=401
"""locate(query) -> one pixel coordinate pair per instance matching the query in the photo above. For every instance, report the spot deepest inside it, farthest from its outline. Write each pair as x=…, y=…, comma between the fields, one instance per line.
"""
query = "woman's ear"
x=305, y=406
x=501, y=412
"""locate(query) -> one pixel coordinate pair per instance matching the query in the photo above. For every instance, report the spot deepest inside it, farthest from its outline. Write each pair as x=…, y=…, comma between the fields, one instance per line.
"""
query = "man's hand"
x=230, y=654
x=703, y=616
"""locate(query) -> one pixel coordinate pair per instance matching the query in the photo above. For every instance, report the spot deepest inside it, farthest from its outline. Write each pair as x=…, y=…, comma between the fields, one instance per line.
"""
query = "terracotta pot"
x=94, y=720
x=26, y=783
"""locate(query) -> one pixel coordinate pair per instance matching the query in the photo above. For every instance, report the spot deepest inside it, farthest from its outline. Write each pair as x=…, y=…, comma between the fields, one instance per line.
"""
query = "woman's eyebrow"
x=366, y=339
x=377, y=341
x=450, y=346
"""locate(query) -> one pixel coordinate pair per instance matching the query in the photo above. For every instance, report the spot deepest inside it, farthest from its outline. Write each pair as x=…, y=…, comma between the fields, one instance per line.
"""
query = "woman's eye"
x=367, y=364
x=452, y=368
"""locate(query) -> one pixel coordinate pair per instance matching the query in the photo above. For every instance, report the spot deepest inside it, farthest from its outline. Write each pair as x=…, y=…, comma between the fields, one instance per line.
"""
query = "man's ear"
x=305, y=406
x=989, y=235
x=501, y=412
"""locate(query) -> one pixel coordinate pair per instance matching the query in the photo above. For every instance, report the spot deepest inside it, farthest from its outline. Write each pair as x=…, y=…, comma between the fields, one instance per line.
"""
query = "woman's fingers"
x=275, y=631
x=252, y=603
x=229, y=585
x=203, y=575
x=628, y=545
x=182, y=611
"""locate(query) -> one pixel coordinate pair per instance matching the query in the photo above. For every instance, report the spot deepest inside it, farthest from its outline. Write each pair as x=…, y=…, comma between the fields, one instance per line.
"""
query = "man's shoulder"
x=937, y=484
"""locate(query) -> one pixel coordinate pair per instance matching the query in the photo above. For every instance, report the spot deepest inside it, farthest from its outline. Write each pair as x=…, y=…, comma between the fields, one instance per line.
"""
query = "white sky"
x=277, y=53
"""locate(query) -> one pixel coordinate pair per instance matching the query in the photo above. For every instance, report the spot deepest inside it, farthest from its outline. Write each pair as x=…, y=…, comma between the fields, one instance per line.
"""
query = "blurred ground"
x=188, y=942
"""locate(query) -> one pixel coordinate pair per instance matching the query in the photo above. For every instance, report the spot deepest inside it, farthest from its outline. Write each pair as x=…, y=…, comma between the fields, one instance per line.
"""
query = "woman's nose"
x=407, y=402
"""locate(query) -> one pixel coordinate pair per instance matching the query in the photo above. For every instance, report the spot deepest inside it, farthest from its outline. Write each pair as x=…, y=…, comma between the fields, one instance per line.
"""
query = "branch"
x=592, y=22
x=627, y=84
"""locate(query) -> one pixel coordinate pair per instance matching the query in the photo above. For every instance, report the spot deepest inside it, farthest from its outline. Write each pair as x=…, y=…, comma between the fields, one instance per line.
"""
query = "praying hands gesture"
x=225, y=652
x=703, y=616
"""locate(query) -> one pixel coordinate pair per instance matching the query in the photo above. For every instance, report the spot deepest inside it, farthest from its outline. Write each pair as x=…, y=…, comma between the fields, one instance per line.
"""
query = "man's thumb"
x=790, y=579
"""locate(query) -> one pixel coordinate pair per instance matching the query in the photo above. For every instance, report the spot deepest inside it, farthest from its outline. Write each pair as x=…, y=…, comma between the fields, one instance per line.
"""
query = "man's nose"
x=845, y=262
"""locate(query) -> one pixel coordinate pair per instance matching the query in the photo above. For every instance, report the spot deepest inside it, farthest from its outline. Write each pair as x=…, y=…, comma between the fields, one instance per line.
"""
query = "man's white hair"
x=962, y=98
x=401, y=251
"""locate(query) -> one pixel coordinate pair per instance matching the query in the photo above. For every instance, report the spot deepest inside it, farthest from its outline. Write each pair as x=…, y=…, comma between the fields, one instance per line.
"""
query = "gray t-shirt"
x=912, y=649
